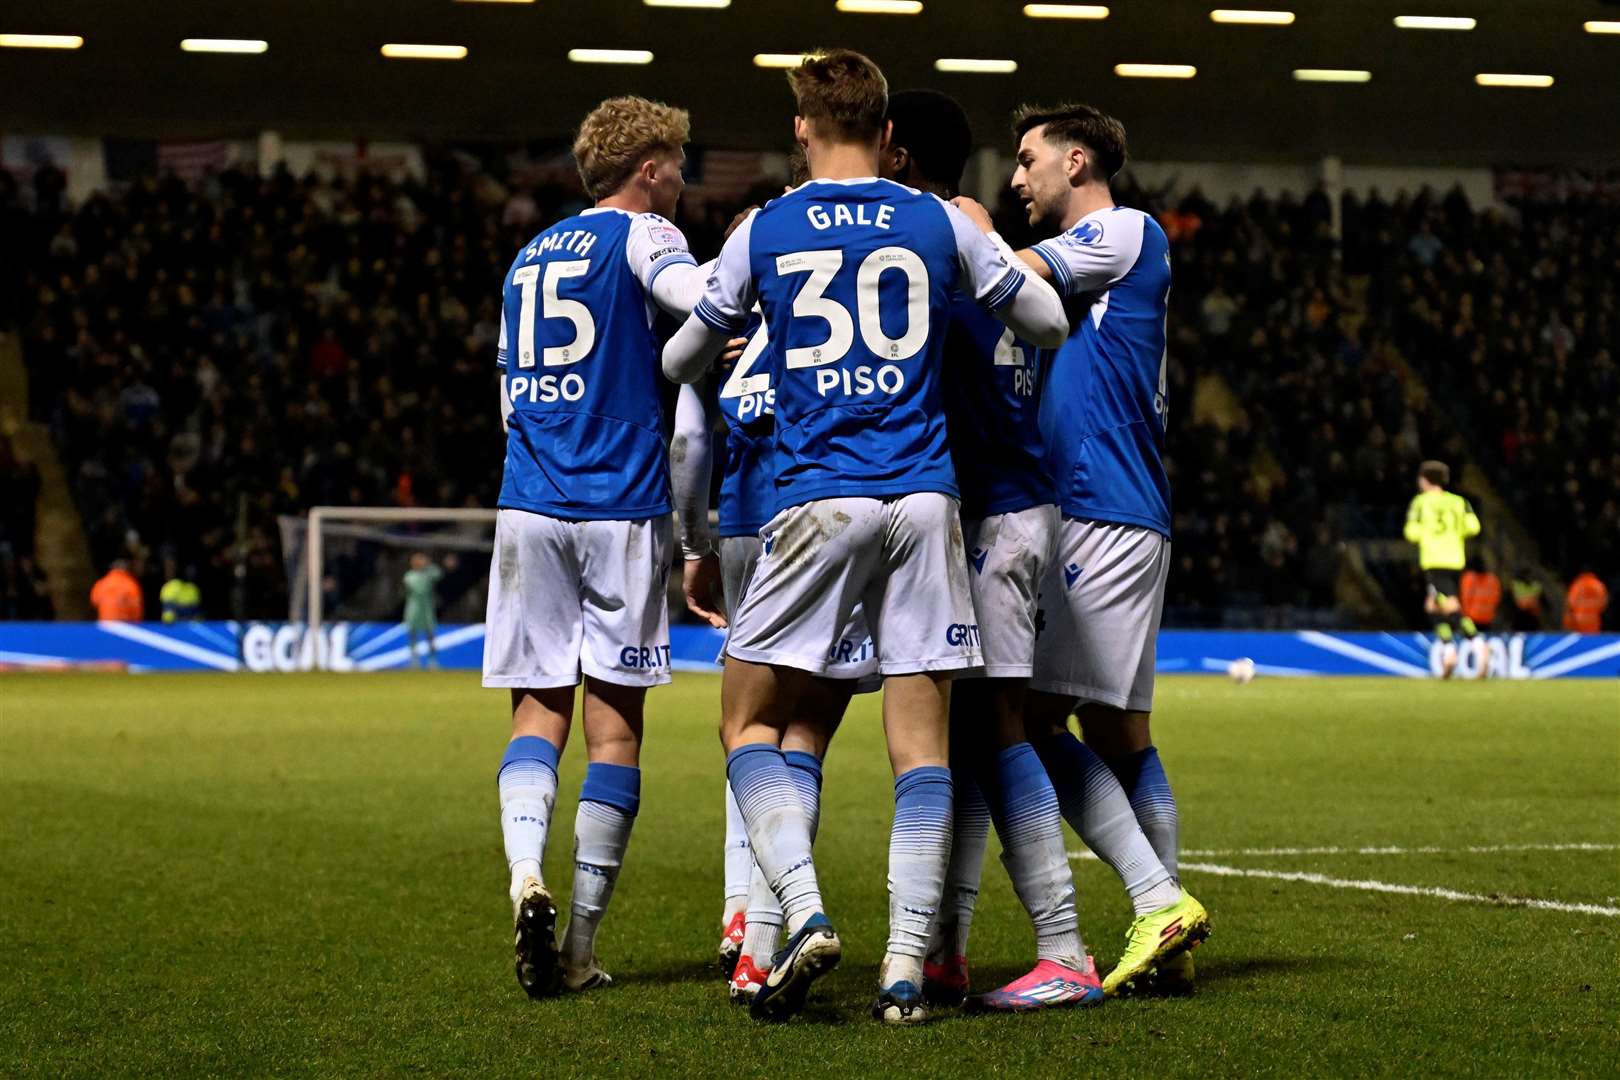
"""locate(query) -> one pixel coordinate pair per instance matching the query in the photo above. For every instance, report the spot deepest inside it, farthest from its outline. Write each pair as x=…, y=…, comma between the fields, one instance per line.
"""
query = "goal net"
x=348, y=564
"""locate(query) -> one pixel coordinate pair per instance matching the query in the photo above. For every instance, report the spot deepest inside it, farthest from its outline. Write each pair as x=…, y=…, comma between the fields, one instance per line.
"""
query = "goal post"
x=388, y=536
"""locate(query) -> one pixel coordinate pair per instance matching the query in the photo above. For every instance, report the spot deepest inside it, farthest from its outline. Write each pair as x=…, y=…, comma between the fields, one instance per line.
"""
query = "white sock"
x=601, y=833
x=763, y=934
x=528, y=788
x=739, y=860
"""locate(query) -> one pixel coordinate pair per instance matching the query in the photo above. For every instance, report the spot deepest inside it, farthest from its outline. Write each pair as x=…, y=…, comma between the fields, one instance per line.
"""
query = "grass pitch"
x=303, y=874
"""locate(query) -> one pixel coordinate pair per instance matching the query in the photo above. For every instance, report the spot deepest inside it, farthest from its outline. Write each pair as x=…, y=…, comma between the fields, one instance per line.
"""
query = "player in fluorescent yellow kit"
x=1440, y=522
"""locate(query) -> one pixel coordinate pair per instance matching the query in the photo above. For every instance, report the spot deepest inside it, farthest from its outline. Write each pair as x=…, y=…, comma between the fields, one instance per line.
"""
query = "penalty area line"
x=1368, y=885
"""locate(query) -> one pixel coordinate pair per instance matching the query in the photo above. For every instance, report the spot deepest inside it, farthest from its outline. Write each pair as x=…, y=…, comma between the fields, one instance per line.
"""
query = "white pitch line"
x=1271, y=852
x=1481, y=849
x=1368, y=885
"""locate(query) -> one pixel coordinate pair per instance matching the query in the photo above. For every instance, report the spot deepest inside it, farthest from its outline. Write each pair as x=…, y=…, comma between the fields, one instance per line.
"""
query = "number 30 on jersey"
x=812, y=301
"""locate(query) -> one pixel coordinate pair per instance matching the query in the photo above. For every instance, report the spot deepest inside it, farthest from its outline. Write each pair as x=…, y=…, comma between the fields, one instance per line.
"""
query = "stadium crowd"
x=213, y=355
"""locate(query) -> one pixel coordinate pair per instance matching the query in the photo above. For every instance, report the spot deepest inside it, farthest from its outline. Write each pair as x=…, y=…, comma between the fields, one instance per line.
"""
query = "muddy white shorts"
x=1100, y=606
x=852, y=656
x=567, y=597
x=1007, y=556
x=900, y=558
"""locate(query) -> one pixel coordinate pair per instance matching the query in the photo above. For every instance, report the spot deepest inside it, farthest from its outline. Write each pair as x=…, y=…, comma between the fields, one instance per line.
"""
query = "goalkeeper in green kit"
x=421, y=601
x=1439, y=523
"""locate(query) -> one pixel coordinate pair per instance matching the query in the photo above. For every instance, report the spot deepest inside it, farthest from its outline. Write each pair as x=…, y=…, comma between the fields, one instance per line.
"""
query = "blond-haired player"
x=582, y=536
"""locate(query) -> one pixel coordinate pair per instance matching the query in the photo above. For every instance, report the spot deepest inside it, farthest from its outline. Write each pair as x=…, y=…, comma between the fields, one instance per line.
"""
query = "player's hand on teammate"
x=975, y=212
x=700, y=584
x=737, y=221
x=734, y=350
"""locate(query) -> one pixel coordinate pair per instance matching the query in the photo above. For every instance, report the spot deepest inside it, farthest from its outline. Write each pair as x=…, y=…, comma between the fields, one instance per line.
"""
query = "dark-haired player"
x=1440, y=523
x=1102, y=418
x=1009, y=523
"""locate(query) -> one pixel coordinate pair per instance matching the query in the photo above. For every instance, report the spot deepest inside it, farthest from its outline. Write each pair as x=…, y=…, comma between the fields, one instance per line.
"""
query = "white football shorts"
x=852, y=656
x=1100, y=606
x=567, y=597
x=901, y=558
x=1007, y=557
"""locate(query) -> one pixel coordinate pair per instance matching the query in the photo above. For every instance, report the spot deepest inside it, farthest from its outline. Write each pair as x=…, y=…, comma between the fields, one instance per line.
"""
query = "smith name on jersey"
x=585, y=436
x=1103, y=400
x=855, y=278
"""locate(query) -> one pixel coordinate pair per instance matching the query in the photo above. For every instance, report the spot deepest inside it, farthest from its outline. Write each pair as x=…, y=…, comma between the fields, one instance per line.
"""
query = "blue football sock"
x=805, y=770
x=919, y=848
x=1142, y=776
x=1094, y=803
x=777, y=828
x=1025, y=808
x=970, y=831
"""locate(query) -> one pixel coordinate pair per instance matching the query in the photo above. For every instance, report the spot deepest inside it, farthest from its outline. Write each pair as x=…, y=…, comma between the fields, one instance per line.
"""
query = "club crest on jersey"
x=1089, y=232
x=1071, y=574
x=977, y=557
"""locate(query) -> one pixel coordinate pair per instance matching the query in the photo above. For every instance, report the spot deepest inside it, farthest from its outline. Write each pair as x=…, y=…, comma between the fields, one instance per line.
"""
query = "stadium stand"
x=212, y=355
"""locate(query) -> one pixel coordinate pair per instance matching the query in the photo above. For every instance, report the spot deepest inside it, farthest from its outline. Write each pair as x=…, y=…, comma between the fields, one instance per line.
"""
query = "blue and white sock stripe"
x=618, y=786
x=923, y=800
x=1026, y=804
x=804, y=769
x=1142, y=776
x=919, y=850
x=761, y=781
x=759, y=778
x=528, y=752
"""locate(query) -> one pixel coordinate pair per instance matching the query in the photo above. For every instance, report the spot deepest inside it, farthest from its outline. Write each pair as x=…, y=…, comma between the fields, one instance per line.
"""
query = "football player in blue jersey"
x=739, y=392
x=1009, y=524
x=854, y=277
x=1102, y=414
x=582, y=535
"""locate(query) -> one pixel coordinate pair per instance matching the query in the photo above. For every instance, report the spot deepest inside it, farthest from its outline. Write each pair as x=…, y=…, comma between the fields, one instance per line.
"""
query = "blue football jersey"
x=745, y=398
x=1103, y=400
x=992, y=388
x=854, y=278
x=586, y=437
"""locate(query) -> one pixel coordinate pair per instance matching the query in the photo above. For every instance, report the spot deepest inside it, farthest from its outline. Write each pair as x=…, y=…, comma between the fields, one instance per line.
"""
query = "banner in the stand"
x=371, y=646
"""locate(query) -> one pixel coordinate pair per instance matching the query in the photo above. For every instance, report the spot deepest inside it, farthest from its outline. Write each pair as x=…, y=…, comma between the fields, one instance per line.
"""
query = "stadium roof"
x=323, y=72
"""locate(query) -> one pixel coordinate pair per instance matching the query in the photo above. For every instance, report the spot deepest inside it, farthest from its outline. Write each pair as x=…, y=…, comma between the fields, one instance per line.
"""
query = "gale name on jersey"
x=844, y=214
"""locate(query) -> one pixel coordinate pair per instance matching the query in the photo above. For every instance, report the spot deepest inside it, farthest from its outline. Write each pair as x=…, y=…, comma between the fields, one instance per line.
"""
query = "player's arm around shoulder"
x=1001, y=282
x=718, y=315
